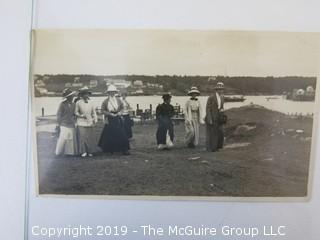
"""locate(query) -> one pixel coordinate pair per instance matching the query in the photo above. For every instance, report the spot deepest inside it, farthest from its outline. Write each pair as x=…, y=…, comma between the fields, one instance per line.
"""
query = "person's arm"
x=209, y=113
x=158, y=112
x=121, y=107
x=77, y=111
x=200, y=114
x=104, y=109
x=222, y=103
x=186, y=112
x=59, y=114
x=171, y=113
x=94, y=114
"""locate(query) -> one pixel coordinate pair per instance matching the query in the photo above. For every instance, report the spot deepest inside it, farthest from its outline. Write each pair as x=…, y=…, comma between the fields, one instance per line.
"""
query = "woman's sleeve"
x=59, y=113
x=201, y=115
x=94, y=114
x=186, y=111
x=209, y=114
x=104, y=107
x=158, y=112
x=77, y=110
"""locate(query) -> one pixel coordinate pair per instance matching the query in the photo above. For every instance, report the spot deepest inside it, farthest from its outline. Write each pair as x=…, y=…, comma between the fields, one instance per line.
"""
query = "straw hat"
x=219, y=85
x=67, y=93
x=112, y=88
x=194, y=90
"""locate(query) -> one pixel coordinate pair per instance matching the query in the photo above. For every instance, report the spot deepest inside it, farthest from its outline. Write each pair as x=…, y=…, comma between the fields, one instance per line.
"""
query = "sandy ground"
x=264, y=155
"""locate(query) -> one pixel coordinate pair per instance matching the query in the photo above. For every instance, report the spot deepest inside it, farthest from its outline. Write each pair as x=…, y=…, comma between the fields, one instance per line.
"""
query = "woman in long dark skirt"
x=113, y=137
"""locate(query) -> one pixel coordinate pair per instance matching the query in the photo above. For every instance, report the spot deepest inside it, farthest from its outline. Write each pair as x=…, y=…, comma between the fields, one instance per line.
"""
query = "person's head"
x=112, y=90
x=193, y=95
x=166, y=98
x=68, y=94
x=194, y=92
x=219, y=88
x=124, y=96
x=84, y=93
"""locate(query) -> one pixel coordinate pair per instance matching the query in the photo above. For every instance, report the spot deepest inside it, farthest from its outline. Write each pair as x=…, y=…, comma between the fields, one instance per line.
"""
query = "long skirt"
x=164, y=126
x=214, y=137
x=87, y=142
x=67, y=142
x=113, y=137
x=127, y=125
x=192, y=132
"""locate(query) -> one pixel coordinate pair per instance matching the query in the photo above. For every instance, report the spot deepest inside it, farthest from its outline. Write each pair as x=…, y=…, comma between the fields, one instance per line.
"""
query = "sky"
x=175, y=52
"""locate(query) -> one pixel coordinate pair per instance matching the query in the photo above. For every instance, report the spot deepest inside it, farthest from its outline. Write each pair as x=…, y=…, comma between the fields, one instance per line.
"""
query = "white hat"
x=84, y=89
x=194, y=90
x=112, y=88
x=219, y=85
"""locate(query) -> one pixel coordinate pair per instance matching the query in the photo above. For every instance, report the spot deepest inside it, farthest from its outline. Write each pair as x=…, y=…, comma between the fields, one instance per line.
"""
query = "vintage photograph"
x=174, y=113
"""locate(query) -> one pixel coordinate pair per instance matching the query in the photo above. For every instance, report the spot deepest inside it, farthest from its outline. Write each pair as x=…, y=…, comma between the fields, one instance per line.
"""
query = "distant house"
x=77, y=85
x=153, y=85
x=138, y=92
x=119, y=83
x=212, y=79
x=138, y=83
x=93, y=83
x=39, y=83
x=42, y=91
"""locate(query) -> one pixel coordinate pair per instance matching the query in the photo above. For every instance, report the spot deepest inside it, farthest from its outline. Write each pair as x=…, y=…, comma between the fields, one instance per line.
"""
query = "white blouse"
x=86, y=113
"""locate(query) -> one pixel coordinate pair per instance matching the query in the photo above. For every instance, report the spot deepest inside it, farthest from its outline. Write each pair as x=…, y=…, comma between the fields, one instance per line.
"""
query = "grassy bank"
x=264, y=155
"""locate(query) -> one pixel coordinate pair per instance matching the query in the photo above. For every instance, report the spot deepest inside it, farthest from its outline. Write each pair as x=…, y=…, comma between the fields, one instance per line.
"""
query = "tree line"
x=177, y=84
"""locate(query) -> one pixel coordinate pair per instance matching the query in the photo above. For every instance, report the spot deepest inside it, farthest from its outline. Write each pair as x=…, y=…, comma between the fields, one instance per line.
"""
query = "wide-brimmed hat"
x=219, y=85
x=166, y=96
x=84, y=90
x=112, y=88
x=67, y=93
x=194, y=90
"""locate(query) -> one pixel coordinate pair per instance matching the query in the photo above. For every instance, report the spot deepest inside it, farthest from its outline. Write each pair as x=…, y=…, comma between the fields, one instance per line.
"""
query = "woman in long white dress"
x=193, y=118
x=67, y=141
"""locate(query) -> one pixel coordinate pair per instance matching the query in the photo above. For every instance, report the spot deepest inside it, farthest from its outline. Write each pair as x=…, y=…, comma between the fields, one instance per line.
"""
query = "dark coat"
x=212, y=110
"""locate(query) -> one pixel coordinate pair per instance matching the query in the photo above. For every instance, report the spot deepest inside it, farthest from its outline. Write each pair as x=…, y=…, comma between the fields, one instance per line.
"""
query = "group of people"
x=193, y=116
x=76, y=118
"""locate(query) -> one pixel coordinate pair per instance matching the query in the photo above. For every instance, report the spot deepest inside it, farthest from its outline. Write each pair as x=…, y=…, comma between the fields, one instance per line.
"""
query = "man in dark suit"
x=164, y=113
x=214, y=128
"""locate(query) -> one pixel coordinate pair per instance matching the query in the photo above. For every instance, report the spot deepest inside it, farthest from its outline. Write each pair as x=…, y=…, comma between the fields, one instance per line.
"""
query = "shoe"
x=90, y=154
x=84, y=154
x=161, y=146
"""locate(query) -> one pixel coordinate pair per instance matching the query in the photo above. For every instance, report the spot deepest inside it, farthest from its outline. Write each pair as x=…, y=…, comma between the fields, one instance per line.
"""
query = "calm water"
x=50, y=104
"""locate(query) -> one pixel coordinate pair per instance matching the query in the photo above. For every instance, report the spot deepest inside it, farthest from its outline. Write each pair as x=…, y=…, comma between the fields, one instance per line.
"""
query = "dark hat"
x=166, y=96
x=67, y=93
